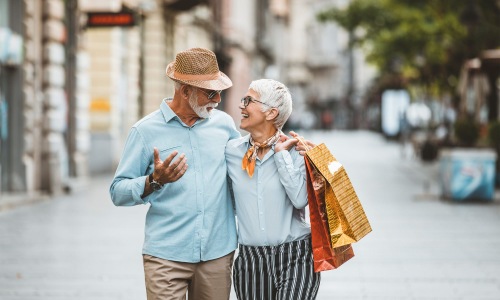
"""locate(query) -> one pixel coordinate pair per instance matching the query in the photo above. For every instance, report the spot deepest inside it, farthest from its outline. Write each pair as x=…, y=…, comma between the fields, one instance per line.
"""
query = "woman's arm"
x=292, y=173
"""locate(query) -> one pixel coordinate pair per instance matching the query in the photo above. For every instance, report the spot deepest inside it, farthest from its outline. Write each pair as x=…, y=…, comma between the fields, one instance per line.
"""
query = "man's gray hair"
x=275, y=94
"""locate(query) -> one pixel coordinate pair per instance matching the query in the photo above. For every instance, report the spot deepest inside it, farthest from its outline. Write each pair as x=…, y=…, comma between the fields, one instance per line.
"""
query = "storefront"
x=12, y=171
x=43, y=111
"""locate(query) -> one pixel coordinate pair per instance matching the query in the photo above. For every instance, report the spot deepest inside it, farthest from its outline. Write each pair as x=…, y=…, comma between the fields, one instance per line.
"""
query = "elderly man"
x=174, y=160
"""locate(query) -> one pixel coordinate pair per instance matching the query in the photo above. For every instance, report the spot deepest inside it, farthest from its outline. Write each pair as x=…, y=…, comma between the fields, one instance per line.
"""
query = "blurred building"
x=114, y=57
x=279, y=39
x=283, y=40
x=339, y=74
x=72, y=85
x=43, y=99
x=127, y=72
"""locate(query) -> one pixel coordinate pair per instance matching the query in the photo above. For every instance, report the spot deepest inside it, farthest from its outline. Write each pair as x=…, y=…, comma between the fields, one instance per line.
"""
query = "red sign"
x=111, y=19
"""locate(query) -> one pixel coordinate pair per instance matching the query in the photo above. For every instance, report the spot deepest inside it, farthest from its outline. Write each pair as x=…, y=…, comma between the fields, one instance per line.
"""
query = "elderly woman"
x=269, y=185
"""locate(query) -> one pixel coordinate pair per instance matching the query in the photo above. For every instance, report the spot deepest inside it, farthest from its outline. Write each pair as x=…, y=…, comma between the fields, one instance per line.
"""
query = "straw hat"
x=198, y=67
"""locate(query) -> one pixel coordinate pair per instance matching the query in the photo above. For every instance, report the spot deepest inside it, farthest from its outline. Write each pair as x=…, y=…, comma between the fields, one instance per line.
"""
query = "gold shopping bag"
x=325, y=257
x=347, y=220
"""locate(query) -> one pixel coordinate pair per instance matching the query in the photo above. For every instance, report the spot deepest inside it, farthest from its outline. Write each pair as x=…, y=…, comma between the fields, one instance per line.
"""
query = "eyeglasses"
x=246, y=100
x=211, y=94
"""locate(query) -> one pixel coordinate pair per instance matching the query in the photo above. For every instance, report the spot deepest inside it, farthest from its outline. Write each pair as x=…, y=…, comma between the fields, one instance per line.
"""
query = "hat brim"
x=222, y=82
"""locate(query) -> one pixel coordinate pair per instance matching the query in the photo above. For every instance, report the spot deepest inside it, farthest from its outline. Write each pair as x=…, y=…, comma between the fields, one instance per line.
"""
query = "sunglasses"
x=245, y=101
x=211, y=94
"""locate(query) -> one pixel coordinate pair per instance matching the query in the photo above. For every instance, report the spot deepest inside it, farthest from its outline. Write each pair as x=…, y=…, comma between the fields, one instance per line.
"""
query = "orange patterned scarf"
x=248, y=162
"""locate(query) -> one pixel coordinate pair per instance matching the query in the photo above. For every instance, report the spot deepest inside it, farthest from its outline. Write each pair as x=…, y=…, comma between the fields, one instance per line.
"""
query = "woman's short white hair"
x=275, y=94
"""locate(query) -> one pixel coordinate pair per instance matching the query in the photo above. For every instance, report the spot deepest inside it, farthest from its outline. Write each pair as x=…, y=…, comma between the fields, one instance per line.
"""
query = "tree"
x=422, y=43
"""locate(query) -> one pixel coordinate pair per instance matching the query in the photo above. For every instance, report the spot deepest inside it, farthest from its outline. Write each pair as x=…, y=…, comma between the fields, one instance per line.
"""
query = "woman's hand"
x=300, y=146
x=284, y=143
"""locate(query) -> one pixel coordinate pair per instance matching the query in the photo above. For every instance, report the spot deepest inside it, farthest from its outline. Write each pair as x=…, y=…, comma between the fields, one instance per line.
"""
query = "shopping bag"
x=325, y=257
x=347, y=220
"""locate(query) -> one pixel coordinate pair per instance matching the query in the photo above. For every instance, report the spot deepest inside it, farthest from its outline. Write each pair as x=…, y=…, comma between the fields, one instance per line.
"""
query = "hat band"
x=202, y=77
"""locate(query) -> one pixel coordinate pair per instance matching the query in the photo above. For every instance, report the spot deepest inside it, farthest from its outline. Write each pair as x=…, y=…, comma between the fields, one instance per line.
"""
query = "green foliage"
x=466, y=132
x=425, y=42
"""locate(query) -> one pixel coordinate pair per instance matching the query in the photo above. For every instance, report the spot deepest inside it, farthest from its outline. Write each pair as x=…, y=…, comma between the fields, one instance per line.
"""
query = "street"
x=80, y=246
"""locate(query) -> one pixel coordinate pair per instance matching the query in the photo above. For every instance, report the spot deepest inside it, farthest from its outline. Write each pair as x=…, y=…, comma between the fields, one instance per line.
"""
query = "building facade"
x=69, y=93
x=127, y=77
x=44, y=104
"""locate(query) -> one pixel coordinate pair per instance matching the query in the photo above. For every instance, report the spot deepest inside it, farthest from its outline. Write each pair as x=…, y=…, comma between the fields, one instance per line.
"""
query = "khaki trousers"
x=206, y=280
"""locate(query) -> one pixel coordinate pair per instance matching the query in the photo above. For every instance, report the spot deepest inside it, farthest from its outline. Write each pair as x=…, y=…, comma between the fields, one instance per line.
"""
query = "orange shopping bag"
x=325, y=257
x=347, y=220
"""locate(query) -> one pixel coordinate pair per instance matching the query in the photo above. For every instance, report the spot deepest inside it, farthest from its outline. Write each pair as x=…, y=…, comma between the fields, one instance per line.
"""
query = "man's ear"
x=185, y=91
x=272, y=114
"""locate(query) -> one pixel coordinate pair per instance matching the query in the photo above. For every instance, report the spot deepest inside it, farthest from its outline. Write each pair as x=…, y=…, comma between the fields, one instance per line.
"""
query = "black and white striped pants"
x=280, y=272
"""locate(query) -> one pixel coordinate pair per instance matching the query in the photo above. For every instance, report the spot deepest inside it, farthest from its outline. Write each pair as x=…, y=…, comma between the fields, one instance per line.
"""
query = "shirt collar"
x=167, y=112
x=246, y=140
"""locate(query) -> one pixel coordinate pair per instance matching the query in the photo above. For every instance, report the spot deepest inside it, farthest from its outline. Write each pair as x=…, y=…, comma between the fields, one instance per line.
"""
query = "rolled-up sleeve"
x=130, y=177
x=292, y=174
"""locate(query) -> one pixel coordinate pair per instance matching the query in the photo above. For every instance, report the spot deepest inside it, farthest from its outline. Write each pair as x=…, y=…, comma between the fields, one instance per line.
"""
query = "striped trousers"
x=280, y=272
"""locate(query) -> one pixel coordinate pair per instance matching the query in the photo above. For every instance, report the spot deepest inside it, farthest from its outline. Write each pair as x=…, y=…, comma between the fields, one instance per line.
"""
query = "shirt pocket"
x=165, y=152
x=179, y=186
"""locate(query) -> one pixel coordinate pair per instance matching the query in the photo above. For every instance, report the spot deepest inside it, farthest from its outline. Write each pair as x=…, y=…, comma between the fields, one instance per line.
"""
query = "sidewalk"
x=82, y=247
x=421, y=247
x=74, y=247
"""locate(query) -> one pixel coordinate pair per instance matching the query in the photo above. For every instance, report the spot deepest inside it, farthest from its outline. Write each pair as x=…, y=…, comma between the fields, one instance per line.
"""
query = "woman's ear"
x=272, y=114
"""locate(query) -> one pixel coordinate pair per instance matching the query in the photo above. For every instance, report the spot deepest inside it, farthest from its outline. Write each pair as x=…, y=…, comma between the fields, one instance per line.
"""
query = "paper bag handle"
x=303, y=143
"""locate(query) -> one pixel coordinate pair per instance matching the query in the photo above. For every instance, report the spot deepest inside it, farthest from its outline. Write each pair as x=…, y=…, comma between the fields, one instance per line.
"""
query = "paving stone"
x=422, y=247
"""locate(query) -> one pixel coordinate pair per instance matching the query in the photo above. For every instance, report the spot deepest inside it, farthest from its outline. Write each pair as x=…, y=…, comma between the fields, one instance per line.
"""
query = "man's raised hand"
x=167, y=171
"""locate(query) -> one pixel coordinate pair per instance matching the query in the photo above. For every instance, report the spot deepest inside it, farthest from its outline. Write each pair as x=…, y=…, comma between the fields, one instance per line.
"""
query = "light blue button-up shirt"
x=270, y=205
x=192, y=219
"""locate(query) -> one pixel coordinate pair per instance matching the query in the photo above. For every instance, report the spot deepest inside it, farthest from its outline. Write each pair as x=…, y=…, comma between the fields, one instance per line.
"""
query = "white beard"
x=201, y=111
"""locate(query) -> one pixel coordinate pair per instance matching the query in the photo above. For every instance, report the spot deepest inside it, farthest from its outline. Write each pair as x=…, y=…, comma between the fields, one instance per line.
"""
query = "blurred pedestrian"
x=190, y=232
x=269, y=186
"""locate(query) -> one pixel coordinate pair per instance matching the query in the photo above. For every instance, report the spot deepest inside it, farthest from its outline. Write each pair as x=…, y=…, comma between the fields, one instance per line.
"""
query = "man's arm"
x=165, y=171
x=128, y=183
x=131, y=184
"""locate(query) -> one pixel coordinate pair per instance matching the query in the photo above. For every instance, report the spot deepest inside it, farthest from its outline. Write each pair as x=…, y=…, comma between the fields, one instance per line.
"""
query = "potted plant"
x=467, y=171
x=466, y=132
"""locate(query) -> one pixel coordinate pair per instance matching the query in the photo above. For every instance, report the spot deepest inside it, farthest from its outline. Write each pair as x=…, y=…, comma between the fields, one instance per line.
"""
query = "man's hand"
x=284, y=143
x=167, y=171
x=300, y=146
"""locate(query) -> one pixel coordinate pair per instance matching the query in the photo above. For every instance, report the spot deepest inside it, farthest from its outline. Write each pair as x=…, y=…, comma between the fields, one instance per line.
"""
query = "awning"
x=108, y=5
x=100, y=6
x=182, y=5
x=491, y=56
